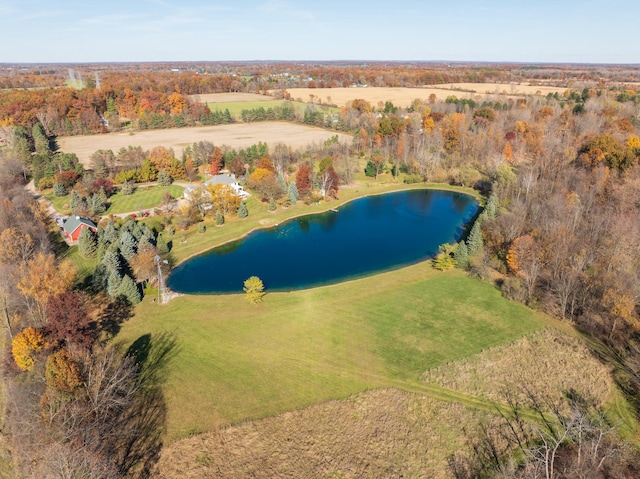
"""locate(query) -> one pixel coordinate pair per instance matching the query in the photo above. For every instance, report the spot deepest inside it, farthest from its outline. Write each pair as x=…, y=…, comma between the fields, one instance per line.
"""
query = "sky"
x=544, y=31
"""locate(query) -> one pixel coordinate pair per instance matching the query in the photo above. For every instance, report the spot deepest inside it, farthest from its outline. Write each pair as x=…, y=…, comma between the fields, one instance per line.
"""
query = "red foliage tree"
x=303, y=179
x=68, y=320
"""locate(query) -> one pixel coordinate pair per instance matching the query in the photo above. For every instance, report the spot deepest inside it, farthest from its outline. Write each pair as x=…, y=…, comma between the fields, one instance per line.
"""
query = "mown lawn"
x=238, y=361
x=143, y=198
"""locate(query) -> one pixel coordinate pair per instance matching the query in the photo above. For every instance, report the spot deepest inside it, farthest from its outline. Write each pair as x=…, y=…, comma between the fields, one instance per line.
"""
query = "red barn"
x=74, y=224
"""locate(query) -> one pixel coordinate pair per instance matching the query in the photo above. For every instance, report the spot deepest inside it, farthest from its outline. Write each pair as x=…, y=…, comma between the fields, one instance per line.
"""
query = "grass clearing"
x=143, y=198
x=239, y=361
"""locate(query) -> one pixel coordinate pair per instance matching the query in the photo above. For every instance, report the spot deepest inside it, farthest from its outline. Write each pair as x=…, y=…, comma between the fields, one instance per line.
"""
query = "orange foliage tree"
x=25, y=346
x=43, y=277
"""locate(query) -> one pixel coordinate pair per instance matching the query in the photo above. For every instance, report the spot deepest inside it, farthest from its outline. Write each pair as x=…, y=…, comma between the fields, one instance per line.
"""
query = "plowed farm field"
x=238, y=135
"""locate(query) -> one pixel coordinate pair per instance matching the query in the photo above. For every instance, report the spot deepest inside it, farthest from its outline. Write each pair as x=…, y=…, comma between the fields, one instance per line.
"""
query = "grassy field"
x=236, y=107
x=239, y=361
x=141, y=199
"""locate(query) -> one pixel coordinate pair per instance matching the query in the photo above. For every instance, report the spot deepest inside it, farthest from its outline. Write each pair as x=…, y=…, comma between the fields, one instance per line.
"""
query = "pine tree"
x=96, y=205
x=110, y=234
x=113, y=284
x=164, y=179
x=59, y=190
x=272, y=204
x=461, y=255
x=111, y=261
x=491, y=208
x=219, y=219
x=242, y=210
x=282, y=183
x=129, y=290
x=128, y=245
x=75, y=200
x=161, y=244
x=87, y=243
x=474, y=241
x=293, y=193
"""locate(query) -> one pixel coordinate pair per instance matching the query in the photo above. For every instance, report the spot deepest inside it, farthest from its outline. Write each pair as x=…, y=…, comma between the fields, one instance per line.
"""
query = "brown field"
x=547, y=361
x=501, y=88
x=381, y=433
x=386, y=432
x=239, y=135
x=403, y=97
x=231, y=96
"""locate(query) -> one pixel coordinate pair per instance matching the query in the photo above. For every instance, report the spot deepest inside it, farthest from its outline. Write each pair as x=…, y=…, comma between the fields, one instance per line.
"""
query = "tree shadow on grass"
x=145, y=421
x=111, y=318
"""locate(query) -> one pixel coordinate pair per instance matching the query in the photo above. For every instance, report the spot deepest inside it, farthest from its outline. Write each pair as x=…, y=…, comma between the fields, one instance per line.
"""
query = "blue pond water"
x=366, y=236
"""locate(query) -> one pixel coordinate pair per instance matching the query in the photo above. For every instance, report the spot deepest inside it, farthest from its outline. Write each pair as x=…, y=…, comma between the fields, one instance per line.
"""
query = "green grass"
x=143, y=198
x=239, y=361
x=235, y=107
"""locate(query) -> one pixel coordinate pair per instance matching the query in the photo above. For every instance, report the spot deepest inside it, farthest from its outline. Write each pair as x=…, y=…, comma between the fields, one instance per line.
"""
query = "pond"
x=364, y=237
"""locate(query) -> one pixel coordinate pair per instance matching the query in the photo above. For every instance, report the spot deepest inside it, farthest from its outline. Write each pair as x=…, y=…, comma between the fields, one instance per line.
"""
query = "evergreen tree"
x=96, y=205
x=242, y=210
x=87, y=243
x=293, y=193
x=491, y=208
x=272, y=204
x=282, y=183
x=161, y=244
x=59, y=190
x=219, y=219
x=461, y=255
x=113, y=284
x=99, y=278
x=129, y=290
x=75, y=200
x=110, y=234
x=127, y=188
x=111, y=261
x=128, y=245
x=474, y=241
x=164, y=179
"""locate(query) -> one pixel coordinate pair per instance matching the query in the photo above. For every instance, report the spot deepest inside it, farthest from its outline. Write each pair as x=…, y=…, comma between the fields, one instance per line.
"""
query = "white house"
x=228, y=179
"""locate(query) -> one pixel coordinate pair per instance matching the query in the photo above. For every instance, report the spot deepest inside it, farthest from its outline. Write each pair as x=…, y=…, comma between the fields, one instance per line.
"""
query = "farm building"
x=73, y=226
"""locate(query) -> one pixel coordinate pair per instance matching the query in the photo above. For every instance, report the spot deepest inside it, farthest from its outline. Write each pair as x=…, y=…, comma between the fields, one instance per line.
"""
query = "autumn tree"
x=303, y=179
x=215, y=161
x=68, y=321
x=223, y=198
x=265, y=183
x=254, y=289
x=43, y=277
x=25, y=346
x=15, y=245
x=161, y=158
